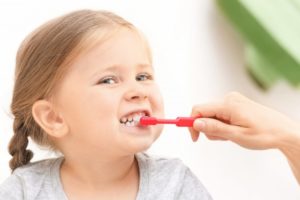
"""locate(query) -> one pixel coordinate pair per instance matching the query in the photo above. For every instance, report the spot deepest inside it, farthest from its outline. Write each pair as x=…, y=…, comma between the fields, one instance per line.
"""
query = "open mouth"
x=133, y=119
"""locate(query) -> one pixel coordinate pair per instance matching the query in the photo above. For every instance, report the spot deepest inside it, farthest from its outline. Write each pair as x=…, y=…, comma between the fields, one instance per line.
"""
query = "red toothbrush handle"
x=185, y=121
x=179, y=121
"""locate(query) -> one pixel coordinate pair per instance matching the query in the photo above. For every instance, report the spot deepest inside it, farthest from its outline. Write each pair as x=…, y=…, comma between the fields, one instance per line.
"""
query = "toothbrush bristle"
x=137, y=119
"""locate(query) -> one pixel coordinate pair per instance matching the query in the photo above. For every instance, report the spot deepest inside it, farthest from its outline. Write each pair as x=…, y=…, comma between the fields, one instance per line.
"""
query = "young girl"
x=80, y=80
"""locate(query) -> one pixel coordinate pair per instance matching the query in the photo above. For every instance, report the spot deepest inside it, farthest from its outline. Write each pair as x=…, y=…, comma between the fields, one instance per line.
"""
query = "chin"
x=140, y=141
x=137, y=146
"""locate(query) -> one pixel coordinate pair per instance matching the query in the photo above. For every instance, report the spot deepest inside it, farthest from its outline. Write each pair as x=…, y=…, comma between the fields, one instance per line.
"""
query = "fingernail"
x=199, y=124
x=195, y=139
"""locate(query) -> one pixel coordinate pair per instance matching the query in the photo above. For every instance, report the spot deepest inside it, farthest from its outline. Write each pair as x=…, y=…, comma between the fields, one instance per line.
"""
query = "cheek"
x=103, y=106
x=92, y=111
x=157, y=101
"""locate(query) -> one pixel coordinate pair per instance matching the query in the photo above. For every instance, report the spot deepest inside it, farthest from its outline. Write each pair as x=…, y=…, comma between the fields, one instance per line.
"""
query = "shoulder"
x=34, y=174
x=38, y=168
x=170, y=176
x=12, y=183
x=27, y=180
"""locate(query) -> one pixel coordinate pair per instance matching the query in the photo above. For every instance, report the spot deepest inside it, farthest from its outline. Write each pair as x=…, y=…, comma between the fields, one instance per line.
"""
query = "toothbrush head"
x=145, y=121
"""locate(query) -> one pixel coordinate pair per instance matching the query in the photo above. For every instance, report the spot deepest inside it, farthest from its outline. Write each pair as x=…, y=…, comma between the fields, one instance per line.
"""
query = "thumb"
x=214, y=128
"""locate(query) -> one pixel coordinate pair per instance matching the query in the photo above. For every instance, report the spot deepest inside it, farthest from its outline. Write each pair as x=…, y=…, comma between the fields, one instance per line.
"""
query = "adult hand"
x=250, y=125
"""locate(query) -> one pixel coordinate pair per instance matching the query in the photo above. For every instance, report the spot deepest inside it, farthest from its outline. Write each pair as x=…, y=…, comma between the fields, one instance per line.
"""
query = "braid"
x=18, y=144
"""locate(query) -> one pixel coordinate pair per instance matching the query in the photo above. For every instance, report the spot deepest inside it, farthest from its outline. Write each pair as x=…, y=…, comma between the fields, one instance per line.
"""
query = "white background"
x=198, y=57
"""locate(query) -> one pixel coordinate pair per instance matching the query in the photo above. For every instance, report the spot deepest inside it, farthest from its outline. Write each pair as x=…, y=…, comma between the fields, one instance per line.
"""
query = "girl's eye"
x=144, y=77
x=108, y=80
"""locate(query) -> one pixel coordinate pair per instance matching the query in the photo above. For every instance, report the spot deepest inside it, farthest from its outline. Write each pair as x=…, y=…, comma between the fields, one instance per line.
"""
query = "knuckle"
x=213, y=127
x=195, y=109
x=232, y=96
x=232, y=99
x=234, y=93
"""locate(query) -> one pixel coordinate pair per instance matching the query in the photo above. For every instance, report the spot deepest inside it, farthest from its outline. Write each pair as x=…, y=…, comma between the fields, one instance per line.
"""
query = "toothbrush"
x=179, y=121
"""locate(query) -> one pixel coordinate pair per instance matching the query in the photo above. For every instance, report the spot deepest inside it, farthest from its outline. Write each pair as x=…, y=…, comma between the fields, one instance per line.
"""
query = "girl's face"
x=106, y=86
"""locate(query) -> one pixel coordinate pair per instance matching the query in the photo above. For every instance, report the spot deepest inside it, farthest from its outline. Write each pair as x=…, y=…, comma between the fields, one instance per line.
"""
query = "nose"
x=136, y=92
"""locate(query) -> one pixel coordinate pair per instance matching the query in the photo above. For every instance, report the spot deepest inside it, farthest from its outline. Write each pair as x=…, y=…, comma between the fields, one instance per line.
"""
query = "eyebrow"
x=114, y=68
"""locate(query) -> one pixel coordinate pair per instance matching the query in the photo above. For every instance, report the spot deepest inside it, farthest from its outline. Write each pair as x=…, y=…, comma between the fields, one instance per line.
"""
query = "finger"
x=208, y=110
x=203, y=110
x=216, y=128
x=194, y=134
x=215, y=138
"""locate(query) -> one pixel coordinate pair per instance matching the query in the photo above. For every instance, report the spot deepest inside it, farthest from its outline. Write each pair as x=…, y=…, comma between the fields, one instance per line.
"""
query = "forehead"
x=118, y=47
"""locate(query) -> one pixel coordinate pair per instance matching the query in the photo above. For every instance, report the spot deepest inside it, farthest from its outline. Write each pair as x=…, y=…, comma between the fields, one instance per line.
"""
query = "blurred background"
x=202, y=50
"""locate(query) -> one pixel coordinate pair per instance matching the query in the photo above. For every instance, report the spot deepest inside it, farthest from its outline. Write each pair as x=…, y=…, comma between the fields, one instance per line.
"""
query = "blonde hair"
x=42, y=60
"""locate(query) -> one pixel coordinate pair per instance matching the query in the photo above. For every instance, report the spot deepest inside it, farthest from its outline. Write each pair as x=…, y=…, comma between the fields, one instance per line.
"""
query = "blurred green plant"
x=271, y=31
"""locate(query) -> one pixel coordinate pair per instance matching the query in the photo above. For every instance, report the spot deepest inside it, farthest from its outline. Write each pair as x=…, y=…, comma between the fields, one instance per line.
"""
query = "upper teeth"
x=132, y=119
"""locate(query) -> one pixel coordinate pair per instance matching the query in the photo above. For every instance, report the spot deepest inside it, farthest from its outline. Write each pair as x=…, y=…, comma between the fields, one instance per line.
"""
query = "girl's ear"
x=48, y=119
